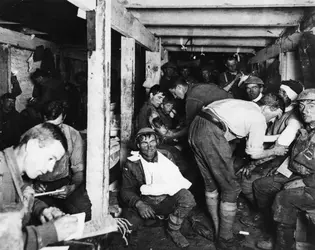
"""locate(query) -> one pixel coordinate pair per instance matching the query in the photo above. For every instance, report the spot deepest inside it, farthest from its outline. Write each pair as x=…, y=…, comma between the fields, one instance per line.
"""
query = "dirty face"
x=167, y=108
x=253, y=90
x=285, y=97
x=147, y=146
x=206, y=75
x=178, y=92
x=307, y=110
x=231, y=65
x=185, y=72
x=157, y=99
x=41, y=159
x=8, y=105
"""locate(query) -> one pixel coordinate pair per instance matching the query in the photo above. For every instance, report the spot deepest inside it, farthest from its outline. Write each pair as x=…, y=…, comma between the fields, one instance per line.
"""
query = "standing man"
x=209, y=136
x=150, y=191
x=10, y=122
x=39, y=149
x=254, y=87
x=184, y=74
x=230, y=79
x=196, y=96
x=169, y=75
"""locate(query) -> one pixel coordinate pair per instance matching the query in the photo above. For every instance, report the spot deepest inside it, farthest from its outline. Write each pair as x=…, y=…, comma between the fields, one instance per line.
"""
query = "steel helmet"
x=308, y=94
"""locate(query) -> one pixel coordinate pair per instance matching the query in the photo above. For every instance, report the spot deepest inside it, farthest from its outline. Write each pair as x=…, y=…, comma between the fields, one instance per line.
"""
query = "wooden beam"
x=216, y=32
x=5, y=69
x=235, y=42
x=23, y=41
x=125, y=23
x=128, y=60
x=98, y=136
x=283, y=45
x=212, y=49
x=216, y=3
x=85, y=5
x=220, y=17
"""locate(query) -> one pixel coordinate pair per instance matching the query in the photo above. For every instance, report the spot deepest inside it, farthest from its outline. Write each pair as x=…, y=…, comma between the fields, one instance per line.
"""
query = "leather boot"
x=173, y=230
x=285, y=237
x=212, y=202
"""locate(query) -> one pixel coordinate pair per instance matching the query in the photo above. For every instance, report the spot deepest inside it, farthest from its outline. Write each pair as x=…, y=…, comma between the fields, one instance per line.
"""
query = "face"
x=8, y=105
x=157, y=99
x=185, y=72
x=285, y=97
x=206, y=75
x=169, y=72
x=307, y=110
x=147, y=146
x=162, y=130
x=40, y=160
x=167, y=108
x=178, y=92
x=231, y=65
x=253, y=91
x=271, y=113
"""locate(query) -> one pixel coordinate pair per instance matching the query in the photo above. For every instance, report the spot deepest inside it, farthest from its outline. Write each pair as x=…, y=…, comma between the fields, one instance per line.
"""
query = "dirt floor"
x=154, y=238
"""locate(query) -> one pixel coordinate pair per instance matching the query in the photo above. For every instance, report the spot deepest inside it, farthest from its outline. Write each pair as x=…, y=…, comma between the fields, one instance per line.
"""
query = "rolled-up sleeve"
x=255, y=140
x=288, y=135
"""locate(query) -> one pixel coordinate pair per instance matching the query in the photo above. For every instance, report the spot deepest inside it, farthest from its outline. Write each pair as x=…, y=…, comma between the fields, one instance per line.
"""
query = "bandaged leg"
x=212, y=202
x=227, y=217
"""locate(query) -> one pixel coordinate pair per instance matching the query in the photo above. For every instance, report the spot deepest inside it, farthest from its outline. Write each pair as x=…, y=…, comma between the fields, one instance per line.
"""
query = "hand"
x=50, y=213
x=68, y=189
x=246, y=171
x=294, y=184
x=280, y=150
x=28, y=198
x=65, y=226
x=145, y=210
x=40, y=188
x=272, y=172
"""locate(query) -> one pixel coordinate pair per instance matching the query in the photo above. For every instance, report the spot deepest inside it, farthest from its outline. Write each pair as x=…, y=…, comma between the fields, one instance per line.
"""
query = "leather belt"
x=213, y=119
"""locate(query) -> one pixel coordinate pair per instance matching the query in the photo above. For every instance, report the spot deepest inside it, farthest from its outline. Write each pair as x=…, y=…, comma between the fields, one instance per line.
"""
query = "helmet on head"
x=308, y=94
x=144, y=131
x=253, y=80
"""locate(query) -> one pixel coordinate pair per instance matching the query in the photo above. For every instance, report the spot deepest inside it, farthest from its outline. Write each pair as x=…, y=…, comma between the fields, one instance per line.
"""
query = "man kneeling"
x=153, y=186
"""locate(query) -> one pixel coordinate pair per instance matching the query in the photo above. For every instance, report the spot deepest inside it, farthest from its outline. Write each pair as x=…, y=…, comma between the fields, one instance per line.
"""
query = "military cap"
x=308, y=94
x=253, y=80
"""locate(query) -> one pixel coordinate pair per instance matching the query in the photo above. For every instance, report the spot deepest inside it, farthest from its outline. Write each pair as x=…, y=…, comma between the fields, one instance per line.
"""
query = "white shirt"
x=244, y=119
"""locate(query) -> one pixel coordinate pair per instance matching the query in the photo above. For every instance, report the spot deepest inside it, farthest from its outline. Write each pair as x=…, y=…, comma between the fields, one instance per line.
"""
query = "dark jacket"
x=132, y=179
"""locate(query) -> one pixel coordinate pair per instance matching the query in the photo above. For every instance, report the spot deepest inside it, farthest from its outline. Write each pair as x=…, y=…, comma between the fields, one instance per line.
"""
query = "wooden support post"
x=128, y=53
x=5, y=69
x=99, y=57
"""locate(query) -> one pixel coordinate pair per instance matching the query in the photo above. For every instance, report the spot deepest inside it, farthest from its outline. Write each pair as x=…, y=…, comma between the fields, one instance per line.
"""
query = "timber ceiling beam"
x=236, y=42
x=210, y=49
x=216, y=32
x=283, y=45
x=125, y=23
x=261, y=17
x=216, y=3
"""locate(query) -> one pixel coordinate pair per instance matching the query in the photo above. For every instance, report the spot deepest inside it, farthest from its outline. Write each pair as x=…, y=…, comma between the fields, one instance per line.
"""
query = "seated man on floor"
x=281, y=133
x=294, y=190
x=39, y=149
x=153, y=187
x=68, y=173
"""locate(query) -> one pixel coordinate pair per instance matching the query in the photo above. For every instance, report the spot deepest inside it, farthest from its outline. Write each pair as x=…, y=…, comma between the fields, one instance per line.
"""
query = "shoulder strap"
x=13, y=168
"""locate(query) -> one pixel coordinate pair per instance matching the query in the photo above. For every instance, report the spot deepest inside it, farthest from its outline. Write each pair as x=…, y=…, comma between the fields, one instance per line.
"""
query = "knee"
x=247, y=185
x=259, y=184
x=230, y=196
x=185, y=198
x=283, y=211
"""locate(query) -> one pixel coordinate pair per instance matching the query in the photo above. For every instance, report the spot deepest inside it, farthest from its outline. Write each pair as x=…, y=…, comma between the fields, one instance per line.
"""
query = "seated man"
x=68, y=173
x=10, y=122
x=166, y=111
x=149, y=190
x=299, y=188
x=284, y=129
x=37, y=153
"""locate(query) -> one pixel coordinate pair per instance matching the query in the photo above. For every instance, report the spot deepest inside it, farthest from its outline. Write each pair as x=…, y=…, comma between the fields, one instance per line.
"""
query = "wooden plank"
x=98, y=136
x=235, y=42
x=283, y=45
x=216, y=3
x=211, y=49
x=220, y=17
x=128, y=60
x=125, y=23
x=4, y=69
x=85, y=5
x=216, y=32
x=153, y=69
x=23, y=41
